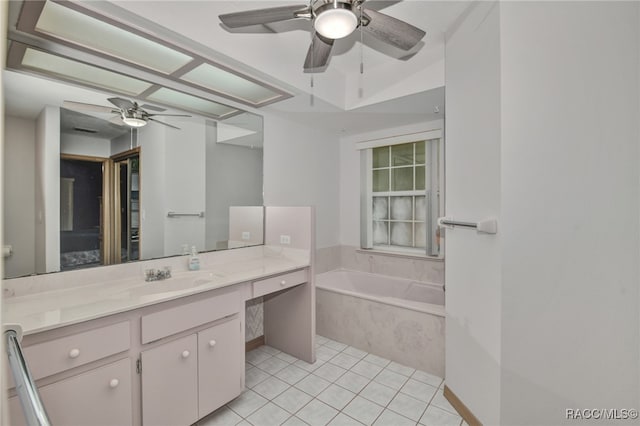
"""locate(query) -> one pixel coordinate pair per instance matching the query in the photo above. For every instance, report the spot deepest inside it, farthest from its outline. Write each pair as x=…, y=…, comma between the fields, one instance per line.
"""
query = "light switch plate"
x=285, y=239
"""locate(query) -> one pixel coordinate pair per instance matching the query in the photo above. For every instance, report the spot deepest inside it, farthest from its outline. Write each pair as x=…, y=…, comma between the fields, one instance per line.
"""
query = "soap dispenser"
x=194, y=260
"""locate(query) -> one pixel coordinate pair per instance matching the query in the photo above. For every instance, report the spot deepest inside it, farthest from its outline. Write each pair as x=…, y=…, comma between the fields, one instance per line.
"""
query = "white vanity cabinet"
x=186, y=379
x=170, y=383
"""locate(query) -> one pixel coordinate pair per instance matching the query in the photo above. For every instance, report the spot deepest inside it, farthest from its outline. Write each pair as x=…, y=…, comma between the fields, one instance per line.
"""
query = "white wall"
x=47, y=204
x=473, y=262
x=301, y=167
x=350, y=176
x=234, y=177
x=543, y=133
x=84, y=145
x=570, y=234
x=19, y=195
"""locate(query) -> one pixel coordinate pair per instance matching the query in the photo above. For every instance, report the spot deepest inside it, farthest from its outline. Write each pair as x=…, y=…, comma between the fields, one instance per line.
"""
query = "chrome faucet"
x=157, y=274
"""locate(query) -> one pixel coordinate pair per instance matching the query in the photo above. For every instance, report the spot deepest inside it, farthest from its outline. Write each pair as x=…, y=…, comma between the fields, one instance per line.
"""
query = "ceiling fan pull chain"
x=361, y=43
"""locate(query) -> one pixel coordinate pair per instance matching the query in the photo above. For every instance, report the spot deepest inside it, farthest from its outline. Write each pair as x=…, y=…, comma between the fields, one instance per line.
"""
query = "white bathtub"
x=398, y=319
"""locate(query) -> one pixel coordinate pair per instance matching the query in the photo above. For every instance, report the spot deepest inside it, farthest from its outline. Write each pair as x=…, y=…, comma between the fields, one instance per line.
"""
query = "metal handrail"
x=32, y=407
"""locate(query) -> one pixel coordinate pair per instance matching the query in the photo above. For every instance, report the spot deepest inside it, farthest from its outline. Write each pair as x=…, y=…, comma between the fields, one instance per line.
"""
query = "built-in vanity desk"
x=126, y=351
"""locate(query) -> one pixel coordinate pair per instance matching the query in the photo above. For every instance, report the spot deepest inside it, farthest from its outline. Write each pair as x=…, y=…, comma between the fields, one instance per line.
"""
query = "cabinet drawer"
x=54, y=356
x=174, y=320
x=273, y=284
x=97, y=397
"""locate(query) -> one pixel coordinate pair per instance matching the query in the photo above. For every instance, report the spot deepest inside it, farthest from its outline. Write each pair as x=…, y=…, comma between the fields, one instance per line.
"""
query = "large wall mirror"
x=81, y=189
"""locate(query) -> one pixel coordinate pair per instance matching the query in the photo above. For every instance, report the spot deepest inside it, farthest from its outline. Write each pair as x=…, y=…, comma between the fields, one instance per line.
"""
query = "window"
x=401, y=193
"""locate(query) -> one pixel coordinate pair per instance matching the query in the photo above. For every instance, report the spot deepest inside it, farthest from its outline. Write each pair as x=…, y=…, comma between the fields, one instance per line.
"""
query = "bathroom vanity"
x=130, y=352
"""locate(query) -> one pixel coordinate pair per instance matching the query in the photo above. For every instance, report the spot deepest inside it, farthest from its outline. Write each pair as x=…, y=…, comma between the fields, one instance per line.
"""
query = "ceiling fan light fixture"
x=336, y=21
x=134, y=121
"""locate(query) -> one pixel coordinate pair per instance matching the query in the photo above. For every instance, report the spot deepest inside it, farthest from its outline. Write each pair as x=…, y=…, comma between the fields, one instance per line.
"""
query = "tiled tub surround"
x=346, y=386
x=426, y=269
x=398, y=319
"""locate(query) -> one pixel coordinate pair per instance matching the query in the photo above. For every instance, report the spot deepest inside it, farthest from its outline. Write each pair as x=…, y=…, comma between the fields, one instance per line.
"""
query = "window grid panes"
x=399, y=201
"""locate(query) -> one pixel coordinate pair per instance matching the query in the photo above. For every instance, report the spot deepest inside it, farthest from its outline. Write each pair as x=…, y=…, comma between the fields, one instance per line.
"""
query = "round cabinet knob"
x=74, y=353
x=283, y=283
x=185, y=354
x=212, y=343
x=114, y=383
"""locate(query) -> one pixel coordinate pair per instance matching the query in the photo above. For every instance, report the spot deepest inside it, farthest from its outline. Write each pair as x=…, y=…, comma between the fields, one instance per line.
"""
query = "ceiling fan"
x=332, y=19
x=128, y=112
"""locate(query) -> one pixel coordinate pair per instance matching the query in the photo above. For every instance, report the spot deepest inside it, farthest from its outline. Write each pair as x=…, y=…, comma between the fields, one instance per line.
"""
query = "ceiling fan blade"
x=166, y=124
x=152, y=108
x=117, y=120
x=318, y=53
x=168, y=115
x=263, y=16
x=393, y=31
x=122, y=103
x=79, y=106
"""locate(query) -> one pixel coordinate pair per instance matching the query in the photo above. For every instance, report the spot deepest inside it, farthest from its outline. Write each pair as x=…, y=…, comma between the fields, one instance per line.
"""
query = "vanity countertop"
x=45, y=310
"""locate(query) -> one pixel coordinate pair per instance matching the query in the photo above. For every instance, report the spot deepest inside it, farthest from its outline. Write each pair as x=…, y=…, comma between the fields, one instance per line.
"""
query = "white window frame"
x=434, y=179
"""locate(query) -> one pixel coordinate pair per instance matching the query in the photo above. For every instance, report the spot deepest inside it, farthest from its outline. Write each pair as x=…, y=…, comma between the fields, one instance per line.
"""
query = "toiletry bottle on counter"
x=194, y=260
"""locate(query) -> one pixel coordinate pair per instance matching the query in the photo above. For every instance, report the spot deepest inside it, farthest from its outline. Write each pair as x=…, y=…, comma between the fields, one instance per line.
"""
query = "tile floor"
x=345, y=386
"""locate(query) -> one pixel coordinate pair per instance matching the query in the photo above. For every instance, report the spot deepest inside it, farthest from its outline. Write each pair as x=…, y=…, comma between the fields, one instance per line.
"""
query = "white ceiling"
x=277, y=51
x=392, y=92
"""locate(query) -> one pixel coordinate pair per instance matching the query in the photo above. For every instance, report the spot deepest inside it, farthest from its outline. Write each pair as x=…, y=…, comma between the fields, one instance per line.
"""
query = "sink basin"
x=181, y=282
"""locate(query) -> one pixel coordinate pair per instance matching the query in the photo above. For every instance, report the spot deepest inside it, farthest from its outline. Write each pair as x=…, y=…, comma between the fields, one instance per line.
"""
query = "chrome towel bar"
x=32, y=407
x=487, y=226
x=174, y=214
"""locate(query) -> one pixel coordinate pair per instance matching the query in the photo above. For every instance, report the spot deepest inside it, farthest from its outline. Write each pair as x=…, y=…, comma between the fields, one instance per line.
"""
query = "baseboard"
x=253, y=344
x=462, y=409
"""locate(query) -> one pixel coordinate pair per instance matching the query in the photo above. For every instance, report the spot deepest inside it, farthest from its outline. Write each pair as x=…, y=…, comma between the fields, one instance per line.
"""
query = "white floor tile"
x=441, y=402
x=312, y=385
x=292, y=400
x=419, y=390
x=363, y=410
x=308, y=367
x=344, y=420
x=335, y=345
x=244, y=423
x=336, y=396
x=221, y=417
x=294, y=421
x=427, y=378
x=256, y=356
x=254, y=376
x=330, y=372
x=408, y=406
x=401, y=369
x=271, y=387
x=291, y=374
x=382, y=362
x=247, y=403
x=321, y=339
x=350, y=350
x=435, y=416
x=325, y=353
x=391, y=379
x=352, y=381
x=272, y=365
x=269, y=415
x=269, y=350
x=343, y=360
x=286, y=357
x=317, y=413
x=366, y=369
x=389, y=418
x=378, y=393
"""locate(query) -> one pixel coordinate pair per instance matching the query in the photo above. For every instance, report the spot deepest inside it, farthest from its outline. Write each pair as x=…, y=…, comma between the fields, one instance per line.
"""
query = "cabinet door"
x=170, y=383
x=97, y=397
x=220, y=362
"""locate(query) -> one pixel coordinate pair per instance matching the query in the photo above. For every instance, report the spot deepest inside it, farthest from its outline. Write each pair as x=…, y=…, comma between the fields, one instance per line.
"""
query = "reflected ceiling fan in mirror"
x=332, y=19
x=128, y=112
